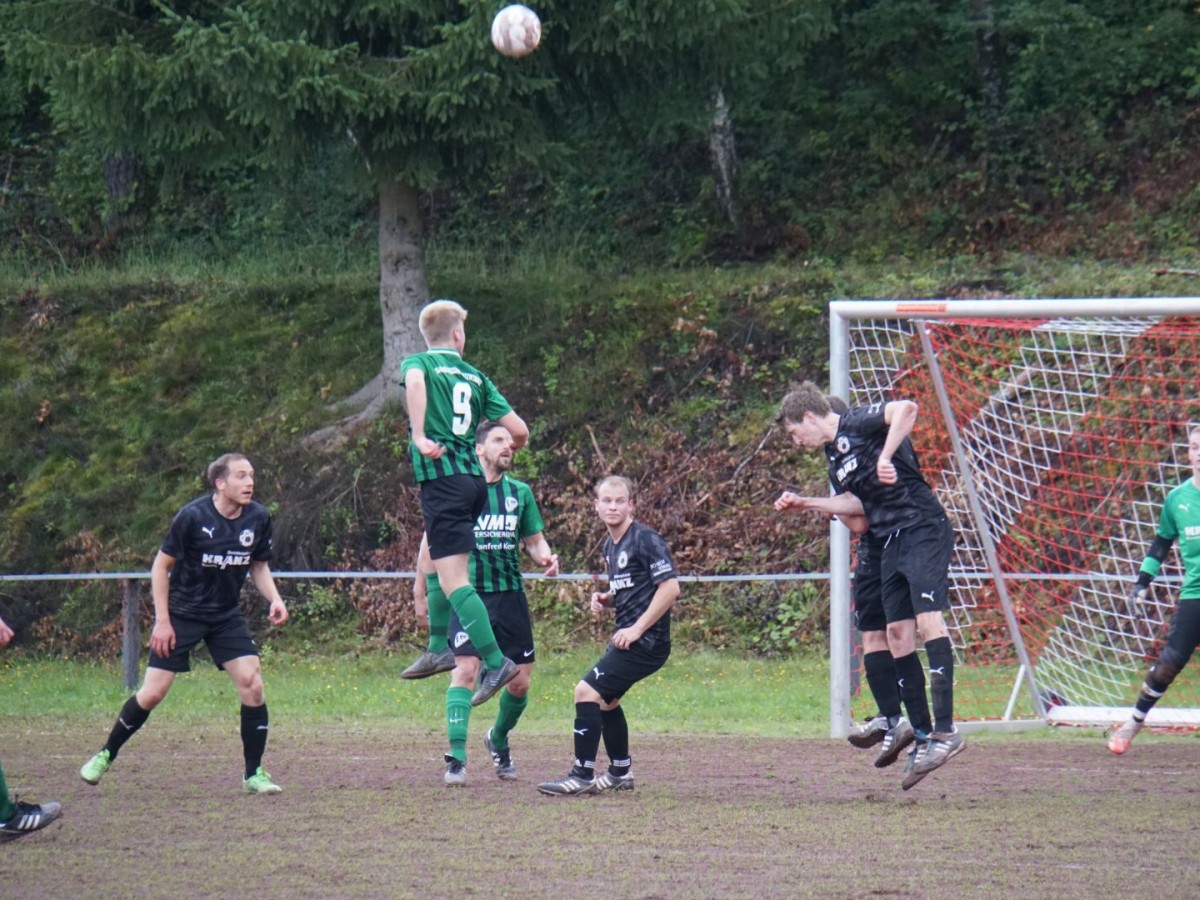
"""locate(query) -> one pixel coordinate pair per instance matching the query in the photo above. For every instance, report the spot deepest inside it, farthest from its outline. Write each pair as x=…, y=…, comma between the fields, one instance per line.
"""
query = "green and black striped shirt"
x=510, y=515
x=458, y=398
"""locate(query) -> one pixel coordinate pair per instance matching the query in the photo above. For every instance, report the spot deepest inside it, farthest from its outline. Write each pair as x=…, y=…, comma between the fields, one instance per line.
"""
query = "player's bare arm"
x=264, y=581
x=901, y=416
x=6, y=633
x=421, y=581
x=664, y=598
x=835, y=505
x=162, y=637
x=539, y=551
x=417, y=400
x=517, y=429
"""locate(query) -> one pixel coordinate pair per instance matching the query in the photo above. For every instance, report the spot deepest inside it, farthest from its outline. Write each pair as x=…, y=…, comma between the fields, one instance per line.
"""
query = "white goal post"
x=1051, y=431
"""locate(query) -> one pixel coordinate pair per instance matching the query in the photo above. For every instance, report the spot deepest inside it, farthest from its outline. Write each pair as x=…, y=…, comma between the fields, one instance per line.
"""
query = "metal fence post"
x=131, y=636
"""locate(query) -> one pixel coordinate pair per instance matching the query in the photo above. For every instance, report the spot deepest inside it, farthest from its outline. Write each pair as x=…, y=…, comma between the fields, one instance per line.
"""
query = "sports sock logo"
x=580, y=730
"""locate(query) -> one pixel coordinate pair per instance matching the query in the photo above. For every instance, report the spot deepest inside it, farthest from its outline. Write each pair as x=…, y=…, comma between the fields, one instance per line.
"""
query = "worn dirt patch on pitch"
x=364, y=813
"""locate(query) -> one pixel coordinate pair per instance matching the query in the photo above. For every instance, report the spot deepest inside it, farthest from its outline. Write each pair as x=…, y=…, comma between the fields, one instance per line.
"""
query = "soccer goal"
x=1052, y=431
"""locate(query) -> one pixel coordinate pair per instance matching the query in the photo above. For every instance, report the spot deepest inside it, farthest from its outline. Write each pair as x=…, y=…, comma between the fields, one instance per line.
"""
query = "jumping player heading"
x=871, y=458
x=447, y=399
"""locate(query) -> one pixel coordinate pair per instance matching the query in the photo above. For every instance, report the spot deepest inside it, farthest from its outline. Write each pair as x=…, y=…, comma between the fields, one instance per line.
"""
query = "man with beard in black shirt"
x=213, y=544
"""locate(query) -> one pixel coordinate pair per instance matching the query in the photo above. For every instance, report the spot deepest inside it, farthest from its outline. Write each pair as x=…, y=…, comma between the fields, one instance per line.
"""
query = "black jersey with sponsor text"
x=213, y=555
x=637, y=564
x=853, y=454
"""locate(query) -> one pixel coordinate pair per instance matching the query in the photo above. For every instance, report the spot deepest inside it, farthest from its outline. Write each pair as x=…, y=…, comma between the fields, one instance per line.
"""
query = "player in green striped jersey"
x=1179, y=521
x=447, y=398
x=509, y=520
x=18, y=818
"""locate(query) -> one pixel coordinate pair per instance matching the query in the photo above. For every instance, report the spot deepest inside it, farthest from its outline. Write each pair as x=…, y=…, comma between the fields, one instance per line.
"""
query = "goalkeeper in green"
x=1180, y=521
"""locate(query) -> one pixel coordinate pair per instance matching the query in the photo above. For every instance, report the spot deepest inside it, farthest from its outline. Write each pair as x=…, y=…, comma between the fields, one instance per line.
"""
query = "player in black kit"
x=642, y=587
x=213, y=544
x=875, y=473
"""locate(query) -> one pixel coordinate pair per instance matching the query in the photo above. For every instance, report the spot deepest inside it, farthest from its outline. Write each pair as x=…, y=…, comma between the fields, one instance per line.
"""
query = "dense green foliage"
x=865, y=125
x=198, y=271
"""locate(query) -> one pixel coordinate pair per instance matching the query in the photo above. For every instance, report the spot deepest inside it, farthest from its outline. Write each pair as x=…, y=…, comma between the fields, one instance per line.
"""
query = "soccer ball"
x=516, y=30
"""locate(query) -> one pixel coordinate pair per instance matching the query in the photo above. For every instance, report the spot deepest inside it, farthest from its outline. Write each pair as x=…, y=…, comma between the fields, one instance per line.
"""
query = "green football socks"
x=6, y=804
x=438, y=613
x=506, y=719
x=458, y=717
x=474, y=618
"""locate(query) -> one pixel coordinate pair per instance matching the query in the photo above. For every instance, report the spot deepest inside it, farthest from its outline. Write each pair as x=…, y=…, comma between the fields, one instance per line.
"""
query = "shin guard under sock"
x=588, y=728
x=616, y=739
x=438, y=613
x=458, y=720
x=910, y=676
x=941, y=683
x=473, y=617
x=880, y=670
x=129, y=720
x=254, y=736
x=506, y=719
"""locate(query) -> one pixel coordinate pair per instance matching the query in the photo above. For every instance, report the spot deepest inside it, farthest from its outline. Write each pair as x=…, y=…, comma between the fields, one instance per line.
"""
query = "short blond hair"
x=613, y=480
x=439, y=319
x=806, y=398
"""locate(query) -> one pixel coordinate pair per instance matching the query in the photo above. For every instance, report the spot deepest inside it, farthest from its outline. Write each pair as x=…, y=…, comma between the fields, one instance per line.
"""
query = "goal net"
x=1052, y=431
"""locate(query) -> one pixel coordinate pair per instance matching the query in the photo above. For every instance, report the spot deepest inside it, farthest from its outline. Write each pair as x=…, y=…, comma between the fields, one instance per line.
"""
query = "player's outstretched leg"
x=501, y=759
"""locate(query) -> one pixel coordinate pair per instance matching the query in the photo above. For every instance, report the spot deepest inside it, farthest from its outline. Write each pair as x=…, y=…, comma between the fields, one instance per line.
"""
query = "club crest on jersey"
x=843, y=444
x=510, y=504
x=622, y=559
x=246, y=538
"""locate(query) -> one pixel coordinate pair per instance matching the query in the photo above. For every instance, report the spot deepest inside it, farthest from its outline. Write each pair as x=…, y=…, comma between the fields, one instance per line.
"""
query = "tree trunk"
x=724, y=155
x=984, y=18
x=403, y=290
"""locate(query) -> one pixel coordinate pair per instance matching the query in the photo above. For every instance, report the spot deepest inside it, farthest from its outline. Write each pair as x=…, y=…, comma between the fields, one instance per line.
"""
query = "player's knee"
x=585, y=693
x=249, y=687
x=1162, y=673
x=932, y=626
x=874, y=641
x=901, y=638
x=149, y=696
x=519, y=686
x=466, y=671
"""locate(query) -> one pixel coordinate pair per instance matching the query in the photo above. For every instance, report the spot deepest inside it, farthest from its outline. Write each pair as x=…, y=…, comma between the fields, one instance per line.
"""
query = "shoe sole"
x=893, y=754
x=917, y=777
x=428, y=673
x=865, y=742
x=480, y=698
